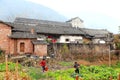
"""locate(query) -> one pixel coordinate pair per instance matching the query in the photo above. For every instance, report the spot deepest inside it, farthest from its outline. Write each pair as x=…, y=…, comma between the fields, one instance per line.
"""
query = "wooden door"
x=22, y=47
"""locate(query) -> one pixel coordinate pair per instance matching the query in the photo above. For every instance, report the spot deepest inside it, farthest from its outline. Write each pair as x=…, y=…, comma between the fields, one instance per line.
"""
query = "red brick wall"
x=5, y=31
x=28, y=46
x=40, y=50
x=15, y=46
x=12, y=46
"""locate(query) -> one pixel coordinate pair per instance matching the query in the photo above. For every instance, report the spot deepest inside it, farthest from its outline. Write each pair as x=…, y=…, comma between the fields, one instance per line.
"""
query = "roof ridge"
x=39, y=20
x=94, y=29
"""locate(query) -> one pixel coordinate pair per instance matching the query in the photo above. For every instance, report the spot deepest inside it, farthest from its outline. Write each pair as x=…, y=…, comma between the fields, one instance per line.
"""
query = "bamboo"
x=81, y=78
x=77, y=77
x=109, y=56
x=119, y=76
x=110, y=78
x=60, y=78
x=16, y=71
x=6, y=61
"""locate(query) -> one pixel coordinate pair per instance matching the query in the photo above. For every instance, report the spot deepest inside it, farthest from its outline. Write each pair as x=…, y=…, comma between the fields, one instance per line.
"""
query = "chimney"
x=32, y=31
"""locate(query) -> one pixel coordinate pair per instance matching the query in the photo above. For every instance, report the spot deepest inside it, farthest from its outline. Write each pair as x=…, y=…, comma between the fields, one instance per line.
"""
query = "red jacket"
x=43, y=63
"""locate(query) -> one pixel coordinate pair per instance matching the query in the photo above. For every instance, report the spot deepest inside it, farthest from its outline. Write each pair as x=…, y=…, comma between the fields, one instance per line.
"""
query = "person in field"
x=43, y=64
x=76, y=66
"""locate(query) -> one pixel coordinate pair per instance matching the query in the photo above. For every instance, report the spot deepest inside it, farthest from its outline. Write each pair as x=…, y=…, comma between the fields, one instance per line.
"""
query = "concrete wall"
x=5, y=31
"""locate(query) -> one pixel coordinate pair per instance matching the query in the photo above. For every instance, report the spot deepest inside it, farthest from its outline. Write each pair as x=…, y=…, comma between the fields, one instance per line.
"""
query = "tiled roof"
x=43, y=26
x=34, y=22
x=74, y=19
x=95, y=32
x=23, y=35
x=23, y=26
x=7, y=23
x=37, y=42
x=58, y=30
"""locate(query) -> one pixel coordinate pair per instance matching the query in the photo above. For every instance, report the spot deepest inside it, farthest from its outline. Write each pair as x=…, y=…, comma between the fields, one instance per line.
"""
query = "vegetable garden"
x=102, y=72
x=86, y=73
x=15, y=71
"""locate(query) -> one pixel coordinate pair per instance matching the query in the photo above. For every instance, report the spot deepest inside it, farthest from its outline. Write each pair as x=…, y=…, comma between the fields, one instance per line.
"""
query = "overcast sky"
x=73, y=8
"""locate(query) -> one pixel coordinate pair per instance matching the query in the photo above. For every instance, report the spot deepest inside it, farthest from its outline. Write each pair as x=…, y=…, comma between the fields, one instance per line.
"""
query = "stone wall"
x=78, y=50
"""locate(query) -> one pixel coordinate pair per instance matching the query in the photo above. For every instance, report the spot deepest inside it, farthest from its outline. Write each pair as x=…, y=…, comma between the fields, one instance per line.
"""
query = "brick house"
x=20, y=42
x=32, y=36
x=29, y=35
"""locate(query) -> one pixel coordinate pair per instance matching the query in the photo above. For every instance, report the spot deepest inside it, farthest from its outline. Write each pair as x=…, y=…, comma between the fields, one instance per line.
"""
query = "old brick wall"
x=15, y=46
x=5, y=31
x=12, y=46
x=79, y=50
x=28, y=46
x=40, y=50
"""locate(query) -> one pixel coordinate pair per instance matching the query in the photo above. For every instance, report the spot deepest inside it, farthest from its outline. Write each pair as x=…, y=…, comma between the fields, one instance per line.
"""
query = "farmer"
x=76, y=66
x=43, y=64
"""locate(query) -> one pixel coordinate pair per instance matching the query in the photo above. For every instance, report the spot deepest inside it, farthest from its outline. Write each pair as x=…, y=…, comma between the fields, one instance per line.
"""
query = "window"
x=22, y=46
x=67, y=40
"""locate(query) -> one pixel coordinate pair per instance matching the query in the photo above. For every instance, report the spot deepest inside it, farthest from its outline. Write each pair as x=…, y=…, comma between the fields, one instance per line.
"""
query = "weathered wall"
x=79, y=50
x=15, y=46
x=5, y=31
x=12, y=46
x=28, y=46
x=40, y=50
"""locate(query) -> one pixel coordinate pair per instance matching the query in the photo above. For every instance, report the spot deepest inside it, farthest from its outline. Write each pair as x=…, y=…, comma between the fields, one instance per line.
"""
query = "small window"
x=67, y=40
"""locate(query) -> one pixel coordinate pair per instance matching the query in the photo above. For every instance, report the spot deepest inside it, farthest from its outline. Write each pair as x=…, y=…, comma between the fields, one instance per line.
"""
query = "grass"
x=65, y=63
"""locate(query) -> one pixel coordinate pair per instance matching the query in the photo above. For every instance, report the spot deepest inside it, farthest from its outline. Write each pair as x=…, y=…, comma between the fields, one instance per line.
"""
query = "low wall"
x=78, y=51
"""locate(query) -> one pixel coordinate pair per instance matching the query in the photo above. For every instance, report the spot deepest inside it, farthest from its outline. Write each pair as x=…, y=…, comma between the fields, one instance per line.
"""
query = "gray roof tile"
x=95, y=32
x=36, y=21
x=37, y=42
x=23, y=35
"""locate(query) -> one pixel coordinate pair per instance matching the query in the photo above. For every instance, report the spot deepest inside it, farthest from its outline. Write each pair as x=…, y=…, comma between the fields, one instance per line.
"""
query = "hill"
x=9, y=9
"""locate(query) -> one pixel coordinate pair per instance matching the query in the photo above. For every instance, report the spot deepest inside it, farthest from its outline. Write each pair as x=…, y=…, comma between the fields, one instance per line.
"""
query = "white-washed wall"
x=71, y=39
x=77, y=23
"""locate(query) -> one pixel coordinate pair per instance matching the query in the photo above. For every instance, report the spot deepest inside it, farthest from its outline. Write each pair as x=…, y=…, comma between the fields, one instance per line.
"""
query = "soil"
x=98, y=62
x=55, y=66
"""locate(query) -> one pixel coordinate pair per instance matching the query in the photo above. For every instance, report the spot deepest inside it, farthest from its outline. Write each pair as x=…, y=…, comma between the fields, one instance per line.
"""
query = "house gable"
x=76, y=22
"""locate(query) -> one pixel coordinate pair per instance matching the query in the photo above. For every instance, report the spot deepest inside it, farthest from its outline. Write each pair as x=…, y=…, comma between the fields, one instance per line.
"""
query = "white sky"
x=72, y=8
